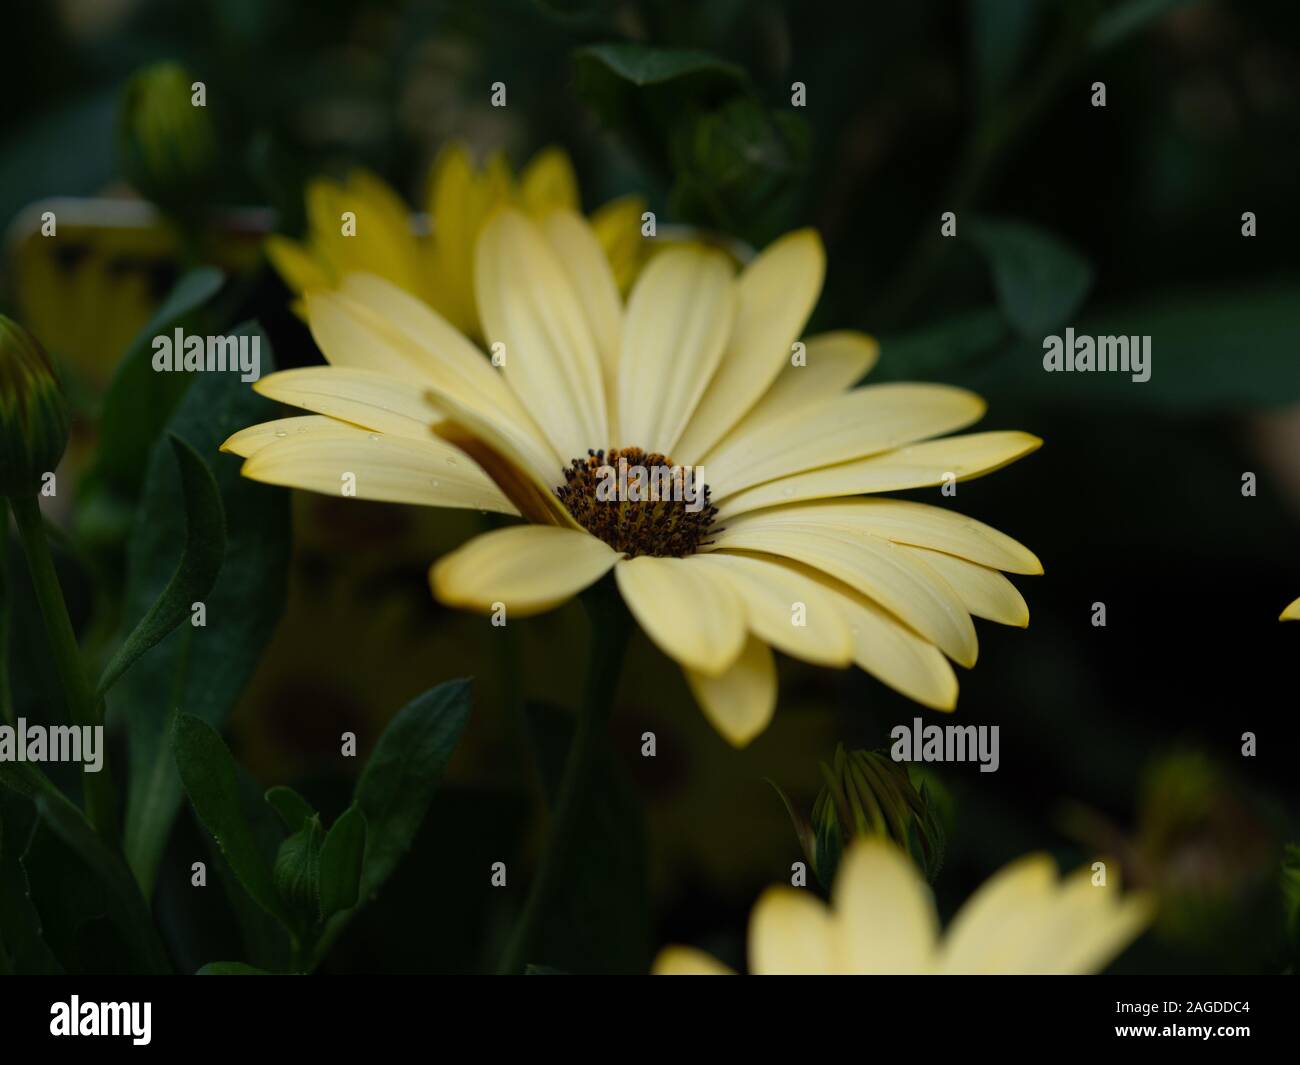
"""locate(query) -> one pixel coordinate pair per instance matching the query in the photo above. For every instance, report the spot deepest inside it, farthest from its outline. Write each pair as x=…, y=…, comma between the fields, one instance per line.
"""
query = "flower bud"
x=33, y=412
x=166, y=143
x=866, y=793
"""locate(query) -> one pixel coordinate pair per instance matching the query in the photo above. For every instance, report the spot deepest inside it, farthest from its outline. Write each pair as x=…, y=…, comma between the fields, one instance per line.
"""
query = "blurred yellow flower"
x=438, y=267
x=702, y=364
x=1292, y=612
x=1024, y=920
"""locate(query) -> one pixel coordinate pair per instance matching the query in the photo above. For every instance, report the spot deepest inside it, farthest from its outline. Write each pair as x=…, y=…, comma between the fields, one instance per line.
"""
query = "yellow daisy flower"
x=1023, y=920
x=438, y=266
x=783, y=547
x=1292, y=612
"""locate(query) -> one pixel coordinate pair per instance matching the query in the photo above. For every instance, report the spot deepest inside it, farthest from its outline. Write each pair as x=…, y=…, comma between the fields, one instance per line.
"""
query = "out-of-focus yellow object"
x=362, y=225
x=86, y=274
x=1024, y=920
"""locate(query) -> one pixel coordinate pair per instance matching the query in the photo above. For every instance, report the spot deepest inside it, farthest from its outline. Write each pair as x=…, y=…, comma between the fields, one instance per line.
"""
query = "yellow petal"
x=833, y=363
x=371, y=324
x=1292, y=612
x=576, y=247
x=875, y=567
x=365, y=398
x=787, y=609
x=529, y=568
x=777, y=293
x=887, y=649
x=692, y=617
x=456, y=202
x=984, y=592
x=296, y=265
x=913, y=466
x=1091, y=925
x=990, y=931
x=367, y=465
x=849, y=426
x=1023, y=921
x=895, y=655
x=687, y=961
x=917, y=524
x=791, y=934
x=381, y=240
x=740, y=701
x=678, y=320
x=527, y=303
x=548, y=182
x=883, y=912
x=618, y=228
x=248, y=442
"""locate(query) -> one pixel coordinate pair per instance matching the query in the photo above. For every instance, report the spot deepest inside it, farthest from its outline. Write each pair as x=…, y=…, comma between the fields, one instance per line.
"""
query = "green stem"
x=610, y=628
x=83, y=708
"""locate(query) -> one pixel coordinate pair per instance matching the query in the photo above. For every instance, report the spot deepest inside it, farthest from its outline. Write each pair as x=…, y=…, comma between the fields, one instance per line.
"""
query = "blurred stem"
x=6, y=613
x=83, y=708
x=610, y=627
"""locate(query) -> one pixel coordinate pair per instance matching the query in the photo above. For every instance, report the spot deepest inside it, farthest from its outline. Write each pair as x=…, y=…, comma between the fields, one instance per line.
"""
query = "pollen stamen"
x=643, y=520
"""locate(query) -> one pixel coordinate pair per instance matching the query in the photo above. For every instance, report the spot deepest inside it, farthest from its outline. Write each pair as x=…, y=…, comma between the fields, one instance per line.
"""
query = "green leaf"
x=201, y=670
x=231, y=968
x=341, y=860
x=205, y=547
x=403, y=772
x=739, y=167
x=20, y=922
x=139, y=400
x=1040, y=280
x=297, y=871
x=208, y=774
x=1211, y=352
x=601, y=921
x=641, y=65
x=26, y=779
x=292, y=807
x=116, y=889
x=935, y=351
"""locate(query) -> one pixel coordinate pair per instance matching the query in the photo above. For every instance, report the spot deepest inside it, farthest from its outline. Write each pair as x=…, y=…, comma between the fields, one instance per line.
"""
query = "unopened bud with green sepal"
x=166, y=143
x=866, y=793
x=33, y=412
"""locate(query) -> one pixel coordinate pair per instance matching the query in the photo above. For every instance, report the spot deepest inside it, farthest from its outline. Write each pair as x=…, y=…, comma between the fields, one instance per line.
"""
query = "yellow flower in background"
x=1292, y=612
x=438, y=267
x=783, y=548
x=1023, y=920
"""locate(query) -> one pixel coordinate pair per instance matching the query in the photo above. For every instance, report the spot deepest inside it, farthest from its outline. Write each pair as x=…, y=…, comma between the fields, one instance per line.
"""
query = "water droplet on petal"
x=281, y=432
x=374, y=436
x=787, y=491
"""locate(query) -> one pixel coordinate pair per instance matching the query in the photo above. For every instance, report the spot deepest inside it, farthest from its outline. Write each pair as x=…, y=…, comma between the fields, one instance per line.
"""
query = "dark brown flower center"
x=639, y=503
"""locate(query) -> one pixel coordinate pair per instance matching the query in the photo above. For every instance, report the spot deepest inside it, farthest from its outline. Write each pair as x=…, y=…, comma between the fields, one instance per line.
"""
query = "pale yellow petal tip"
x=233, y=443
x=687, y=961
x=1291, y=613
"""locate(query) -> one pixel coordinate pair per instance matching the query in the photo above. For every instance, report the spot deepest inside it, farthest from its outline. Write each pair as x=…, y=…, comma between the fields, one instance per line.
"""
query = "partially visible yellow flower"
x=438, y=266
x=1023, y=920
x=1292, y=612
